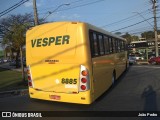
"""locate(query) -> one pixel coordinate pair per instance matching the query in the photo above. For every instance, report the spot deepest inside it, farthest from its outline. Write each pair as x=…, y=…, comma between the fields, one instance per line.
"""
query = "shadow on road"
x=149, y=95
x=150, y=102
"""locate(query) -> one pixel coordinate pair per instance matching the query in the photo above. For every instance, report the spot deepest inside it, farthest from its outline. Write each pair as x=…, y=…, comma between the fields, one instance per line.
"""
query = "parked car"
x=139, y=57
x=132, y=59
x=154, y=60
x=12, y=63
x=5, y=60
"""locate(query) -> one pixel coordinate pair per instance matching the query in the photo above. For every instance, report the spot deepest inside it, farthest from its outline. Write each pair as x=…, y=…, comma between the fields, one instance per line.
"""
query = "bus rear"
x=58, y=61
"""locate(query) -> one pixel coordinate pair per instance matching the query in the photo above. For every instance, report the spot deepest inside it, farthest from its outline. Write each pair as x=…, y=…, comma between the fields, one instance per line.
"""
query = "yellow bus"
x=72, y=62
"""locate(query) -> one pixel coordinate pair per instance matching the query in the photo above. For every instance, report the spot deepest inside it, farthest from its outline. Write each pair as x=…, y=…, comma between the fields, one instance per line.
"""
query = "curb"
x=14, y=92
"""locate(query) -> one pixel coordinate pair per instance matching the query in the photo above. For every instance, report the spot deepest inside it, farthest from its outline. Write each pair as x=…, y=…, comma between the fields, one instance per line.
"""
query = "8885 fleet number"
x=69, y=81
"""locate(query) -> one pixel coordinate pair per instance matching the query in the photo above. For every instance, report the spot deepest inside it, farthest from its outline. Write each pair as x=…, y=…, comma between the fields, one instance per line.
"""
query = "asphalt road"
x=138, y=89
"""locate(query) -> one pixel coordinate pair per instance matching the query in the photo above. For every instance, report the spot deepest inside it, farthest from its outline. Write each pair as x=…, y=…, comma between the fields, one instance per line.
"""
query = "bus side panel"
x=120, y=63
x=102, y=74
x=83, y=38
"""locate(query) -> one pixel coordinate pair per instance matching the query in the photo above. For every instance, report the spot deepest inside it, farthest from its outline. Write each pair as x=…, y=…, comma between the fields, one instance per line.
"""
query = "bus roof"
x=90, y=26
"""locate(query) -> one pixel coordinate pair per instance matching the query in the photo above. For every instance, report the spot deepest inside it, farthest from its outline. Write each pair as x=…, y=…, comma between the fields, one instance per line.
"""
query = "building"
x=144, y=48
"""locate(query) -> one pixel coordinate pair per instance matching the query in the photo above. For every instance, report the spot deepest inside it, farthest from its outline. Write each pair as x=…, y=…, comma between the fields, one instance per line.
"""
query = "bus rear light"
x=30, y=84
x=84, y=84
x=84, y=73
x=83, y=80
x=83, y=87
x=29, y=77
x=28, y=72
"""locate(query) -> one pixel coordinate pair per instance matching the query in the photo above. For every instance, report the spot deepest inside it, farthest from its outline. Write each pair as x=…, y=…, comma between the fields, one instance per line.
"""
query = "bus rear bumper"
x=79, y=98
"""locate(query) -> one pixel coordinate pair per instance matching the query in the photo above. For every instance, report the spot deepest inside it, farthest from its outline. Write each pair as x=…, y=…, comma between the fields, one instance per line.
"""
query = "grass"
x=11, y=80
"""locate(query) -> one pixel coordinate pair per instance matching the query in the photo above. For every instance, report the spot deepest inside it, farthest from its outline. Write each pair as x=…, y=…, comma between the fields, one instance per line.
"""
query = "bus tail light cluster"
x=29, y=76
x=84, y=79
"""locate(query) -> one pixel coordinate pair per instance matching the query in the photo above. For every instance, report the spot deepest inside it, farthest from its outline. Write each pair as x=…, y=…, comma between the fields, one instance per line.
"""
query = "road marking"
x=148, y=67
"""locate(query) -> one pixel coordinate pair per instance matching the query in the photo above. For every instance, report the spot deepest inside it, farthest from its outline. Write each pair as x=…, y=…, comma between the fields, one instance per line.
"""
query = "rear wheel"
x=127, y=66
x=113, y=78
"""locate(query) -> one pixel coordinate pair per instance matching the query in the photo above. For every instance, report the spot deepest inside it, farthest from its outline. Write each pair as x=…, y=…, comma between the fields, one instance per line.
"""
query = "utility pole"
x=35, y=13
x=155, y=27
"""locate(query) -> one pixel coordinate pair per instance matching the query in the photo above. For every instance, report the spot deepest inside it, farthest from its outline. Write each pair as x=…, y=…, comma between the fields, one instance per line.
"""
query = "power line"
x=125, y=19
x=82, y=5
x=67, y=3
x=131, y=25
x=139, y=30
x=144, y=18
x=79, y=5
x=12, y=7
x=51, y=12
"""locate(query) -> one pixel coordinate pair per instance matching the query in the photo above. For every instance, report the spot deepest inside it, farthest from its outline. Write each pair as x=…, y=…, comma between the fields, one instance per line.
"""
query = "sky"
x=112, y=15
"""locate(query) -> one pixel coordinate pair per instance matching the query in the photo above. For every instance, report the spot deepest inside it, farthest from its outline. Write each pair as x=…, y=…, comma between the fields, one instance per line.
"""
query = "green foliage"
x=13, y=29
x=130, y=38
x=148, y=35
x=1, y=54
x=118, y=33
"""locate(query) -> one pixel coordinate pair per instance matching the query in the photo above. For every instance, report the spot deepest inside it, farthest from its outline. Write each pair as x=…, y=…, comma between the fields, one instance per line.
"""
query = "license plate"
x=55, y=97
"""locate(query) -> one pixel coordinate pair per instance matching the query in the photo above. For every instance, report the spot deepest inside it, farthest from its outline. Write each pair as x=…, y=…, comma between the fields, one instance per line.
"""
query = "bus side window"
x=95, y=45
x=113, y=45
x=106, y=45
x=110, y=45
x=101, y=44
x=118, y=45
x=123, y=46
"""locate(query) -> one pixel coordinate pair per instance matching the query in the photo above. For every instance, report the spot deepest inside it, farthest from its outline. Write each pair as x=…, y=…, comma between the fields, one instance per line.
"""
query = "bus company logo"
x=58, y=40
x=6, y=114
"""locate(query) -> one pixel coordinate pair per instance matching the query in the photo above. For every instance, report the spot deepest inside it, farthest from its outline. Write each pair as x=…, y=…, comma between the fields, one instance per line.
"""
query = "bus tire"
x=126, y=68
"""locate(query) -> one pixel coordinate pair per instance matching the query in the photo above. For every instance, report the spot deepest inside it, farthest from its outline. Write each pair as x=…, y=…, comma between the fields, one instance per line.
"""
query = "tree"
x=12, y=30
x=118, y=33
x=148, y=35
x=135, y=38
x=130, y=38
